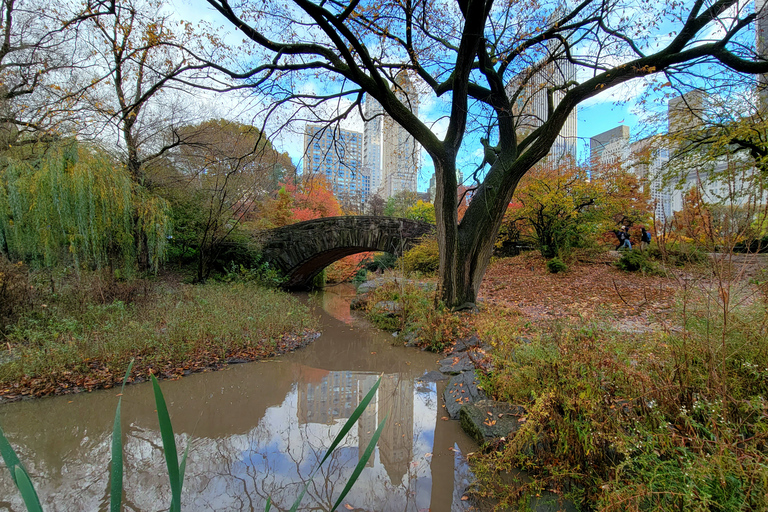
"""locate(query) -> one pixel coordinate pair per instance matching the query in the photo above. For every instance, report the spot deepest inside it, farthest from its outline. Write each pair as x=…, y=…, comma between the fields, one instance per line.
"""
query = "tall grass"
x=675, y=419
x=162, y=329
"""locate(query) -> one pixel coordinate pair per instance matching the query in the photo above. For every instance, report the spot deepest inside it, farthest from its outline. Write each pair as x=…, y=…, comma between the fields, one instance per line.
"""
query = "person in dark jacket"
x=645, y=239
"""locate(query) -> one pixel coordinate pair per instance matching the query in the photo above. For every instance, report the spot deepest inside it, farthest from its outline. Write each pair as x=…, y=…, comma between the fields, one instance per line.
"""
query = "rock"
x=466, y=344
x=387, y=307
x=488, y=420
x=457, y=364
x=461, y=390
x=433, y=376
x=237, y=360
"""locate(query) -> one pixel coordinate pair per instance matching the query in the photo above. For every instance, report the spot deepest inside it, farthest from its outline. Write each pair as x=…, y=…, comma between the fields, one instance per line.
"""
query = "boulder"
x=433, y=376
x=461, y=390
x=457, y=364
x=488, y=420
x=387, y=307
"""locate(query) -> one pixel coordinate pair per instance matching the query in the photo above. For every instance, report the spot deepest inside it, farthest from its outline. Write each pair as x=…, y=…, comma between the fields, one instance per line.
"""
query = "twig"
x=619, y=293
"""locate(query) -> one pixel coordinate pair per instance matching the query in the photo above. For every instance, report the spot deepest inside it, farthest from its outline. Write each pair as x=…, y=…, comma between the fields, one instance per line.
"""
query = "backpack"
x=647, y=237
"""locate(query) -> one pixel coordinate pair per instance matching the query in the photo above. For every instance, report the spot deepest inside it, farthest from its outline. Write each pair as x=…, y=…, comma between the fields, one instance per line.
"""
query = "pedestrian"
x=645, y=239
x=627, y=244
x=620, y=236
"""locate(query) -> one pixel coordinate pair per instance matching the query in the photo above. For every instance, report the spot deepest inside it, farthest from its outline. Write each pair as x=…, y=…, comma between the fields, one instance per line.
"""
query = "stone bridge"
x=304, y=249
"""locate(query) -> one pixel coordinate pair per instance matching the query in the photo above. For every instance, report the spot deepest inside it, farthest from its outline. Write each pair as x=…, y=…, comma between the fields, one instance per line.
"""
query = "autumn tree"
x=309, y=198
x=37, y=57
x=482, y=61
x=221, y=170
x=137, y=90
x=557, y=208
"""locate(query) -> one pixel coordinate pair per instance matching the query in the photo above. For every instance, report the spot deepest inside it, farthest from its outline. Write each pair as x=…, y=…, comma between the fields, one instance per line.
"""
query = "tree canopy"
x=481, y=59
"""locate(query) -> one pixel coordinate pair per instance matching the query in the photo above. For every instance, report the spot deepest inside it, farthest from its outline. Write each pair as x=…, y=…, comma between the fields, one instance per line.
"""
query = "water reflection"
x=256, y=431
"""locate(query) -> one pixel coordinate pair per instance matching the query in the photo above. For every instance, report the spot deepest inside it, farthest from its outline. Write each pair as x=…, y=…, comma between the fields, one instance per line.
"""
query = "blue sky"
x=600, y=113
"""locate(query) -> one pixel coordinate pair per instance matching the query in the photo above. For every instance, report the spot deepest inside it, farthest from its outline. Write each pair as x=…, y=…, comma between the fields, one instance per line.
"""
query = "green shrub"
x=424, y=257
x=556, y=265
x=632, y=261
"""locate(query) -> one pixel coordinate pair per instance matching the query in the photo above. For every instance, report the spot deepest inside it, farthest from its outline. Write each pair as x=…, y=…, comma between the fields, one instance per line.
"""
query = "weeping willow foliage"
x=75, y=205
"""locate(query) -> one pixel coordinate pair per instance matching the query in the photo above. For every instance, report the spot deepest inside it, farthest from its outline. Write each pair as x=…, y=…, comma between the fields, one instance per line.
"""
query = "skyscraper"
x=610, y=147
x=531, y=103
x=336, y=154
x=373, y=141
x=391, y=156
x=400, y=165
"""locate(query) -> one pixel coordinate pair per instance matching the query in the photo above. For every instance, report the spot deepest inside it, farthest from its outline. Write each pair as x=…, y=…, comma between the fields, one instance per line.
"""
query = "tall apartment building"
x=373, y=141
x=391, y=156
x=531, y=104
x=672, y=167
x=336, y=154
x=649, y=162
x=610, y=147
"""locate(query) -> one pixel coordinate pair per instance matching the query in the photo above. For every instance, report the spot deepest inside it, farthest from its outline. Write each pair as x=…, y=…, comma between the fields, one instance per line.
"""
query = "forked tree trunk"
x=466, y=248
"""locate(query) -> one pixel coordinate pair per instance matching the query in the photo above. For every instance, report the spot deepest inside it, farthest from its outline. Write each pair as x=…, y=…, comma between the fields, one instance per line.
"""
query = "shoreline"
x=101, y=377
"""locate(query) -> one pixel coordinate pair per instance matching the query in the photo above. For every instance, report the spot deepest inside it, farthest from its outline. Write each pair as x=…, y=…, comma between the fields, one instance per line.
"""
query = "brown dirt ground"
x=594, y=288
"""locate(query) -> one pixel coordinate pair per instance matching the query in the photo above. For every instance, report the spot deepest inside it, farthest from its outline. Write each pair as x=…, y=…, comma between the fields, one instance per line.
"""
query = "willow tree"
x=486, y=61
x=74, y=205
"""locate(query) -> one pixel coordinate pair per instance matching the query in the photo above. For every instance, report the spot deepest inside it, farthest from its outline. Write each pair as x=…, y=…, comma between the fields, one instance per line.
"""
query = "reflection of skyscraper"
x=391, y=154
x=396, y=441
x=333, y=398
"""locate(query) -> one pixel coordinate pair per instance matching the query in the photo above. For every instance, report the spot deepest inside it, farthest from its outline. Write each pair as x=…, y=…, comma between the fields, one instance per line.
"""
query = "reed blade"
x=361, y=464
x=169, y=446
x=28, y=494
x=19, y=474
x=116, y=470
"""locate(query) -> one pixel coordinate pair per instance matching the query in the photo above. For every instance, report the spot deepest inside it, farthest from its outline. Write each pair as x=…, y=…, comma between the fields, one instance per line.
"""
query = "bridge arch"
x=302, y=250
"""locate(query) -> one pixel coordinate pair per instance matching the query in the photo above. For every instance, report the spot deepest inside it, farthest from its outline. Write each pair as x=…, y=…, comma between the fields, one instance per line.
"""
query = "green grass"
x=203, y=323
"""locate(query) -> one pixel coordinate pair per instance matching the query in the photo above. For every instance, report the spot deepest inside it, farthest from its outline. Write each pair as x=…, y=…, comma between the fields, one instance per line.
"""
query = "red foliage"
x=311, y=199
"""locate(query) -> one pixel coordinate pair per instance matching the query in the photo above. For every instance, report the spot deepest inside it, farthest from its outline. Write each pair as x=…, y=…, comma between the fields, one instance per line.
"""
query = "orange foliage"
x=346, y=268
x=311, y=199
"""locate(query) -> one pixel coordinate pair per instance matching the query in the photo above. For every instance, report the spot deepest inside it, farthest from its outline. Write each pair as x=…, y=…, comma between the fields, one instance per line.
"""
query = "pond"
x=257, y=430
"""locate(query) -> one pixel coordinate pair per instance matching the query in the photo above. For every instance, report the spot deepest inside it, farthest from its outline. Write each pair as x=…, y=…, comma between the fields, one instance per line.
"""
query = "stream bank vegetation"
x=97, y=269
x=78, y=331
x=643, y=374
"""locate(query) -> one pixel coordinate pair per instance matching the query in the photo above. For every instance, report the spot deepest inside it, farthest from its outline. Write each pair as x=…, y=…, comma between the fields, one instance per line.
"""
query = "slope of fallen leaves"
x=523, y=284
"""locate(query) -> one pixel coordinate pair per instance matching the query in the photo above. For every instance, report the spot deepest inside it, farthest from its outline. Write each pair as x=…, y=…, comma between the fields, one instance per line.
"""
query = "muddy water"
x=255, y=431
